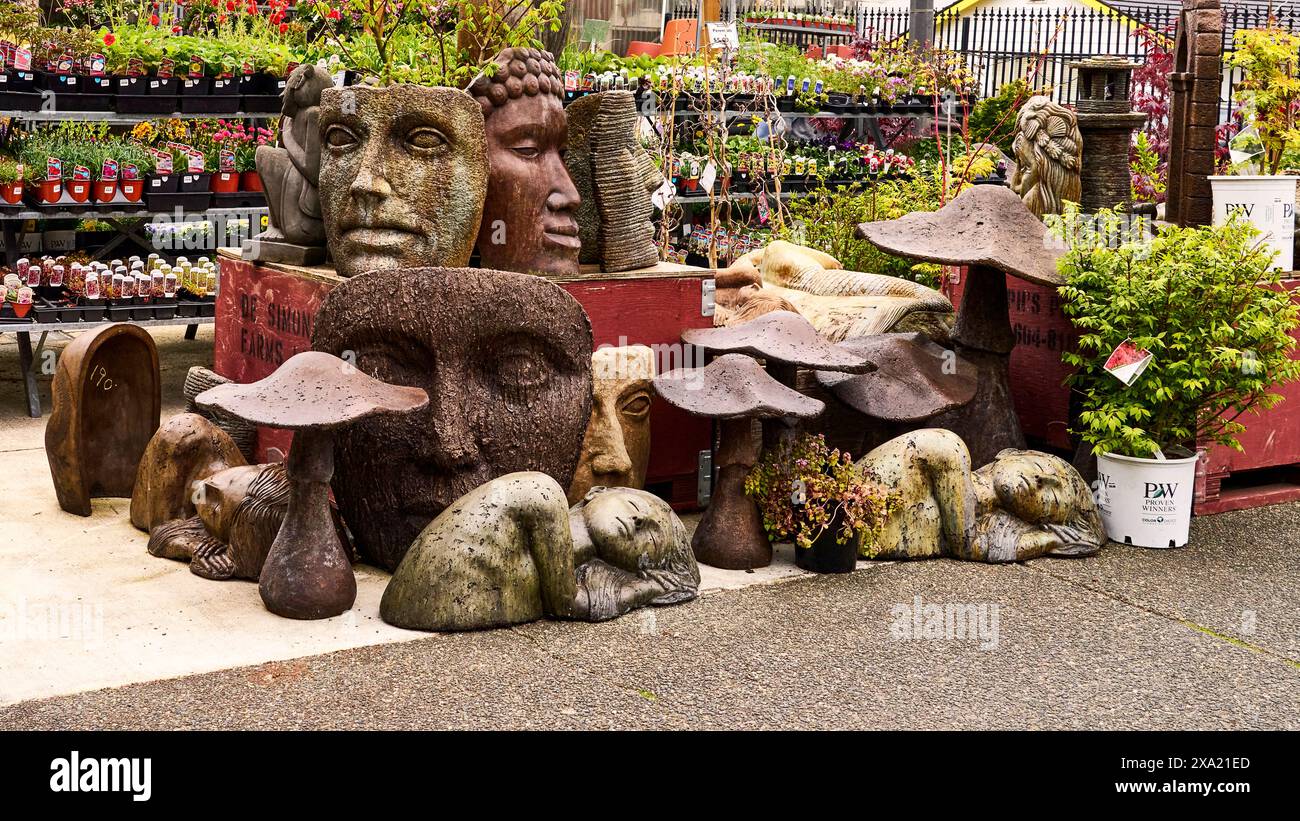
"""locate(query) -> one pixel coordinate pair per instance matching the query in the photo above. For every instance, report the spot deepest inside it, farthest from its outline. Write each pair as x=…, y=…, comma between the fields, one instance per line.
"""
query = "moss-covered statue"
x=512, y=551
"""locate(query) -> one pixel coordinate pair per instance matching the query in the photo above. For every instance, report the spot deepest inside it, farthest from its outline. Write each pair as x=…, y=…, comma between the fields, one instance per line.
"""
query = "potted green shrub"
x=11, y=181
x=814, y=497
x=1207, y=306
x=1269, y=93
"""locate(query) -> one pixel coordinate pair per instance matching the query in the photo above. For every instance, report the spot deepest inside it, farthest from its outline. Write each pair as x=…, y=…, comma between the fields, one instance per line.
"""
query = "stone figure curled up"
x=291, y=171
x=1048, y=149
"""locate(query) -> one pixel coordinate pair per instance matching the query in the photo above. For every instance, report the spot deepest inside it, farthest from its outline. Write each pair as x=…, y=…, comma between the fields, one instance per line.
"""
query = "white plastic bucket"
x=1146, y=502
x=1268, y=202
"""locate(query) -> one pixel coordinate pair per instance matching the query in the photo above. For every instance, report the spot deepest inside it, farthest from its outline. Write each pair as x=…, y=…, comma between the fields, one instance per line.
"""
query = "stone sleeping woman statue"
x=512, y=551
x=1023, y=505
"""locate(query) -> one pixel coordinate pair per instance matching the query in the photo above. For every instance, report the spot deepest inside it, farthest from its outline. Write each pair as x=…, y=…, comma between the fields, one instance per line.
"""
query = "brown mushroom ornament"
x=735, y=390
x=307, y=574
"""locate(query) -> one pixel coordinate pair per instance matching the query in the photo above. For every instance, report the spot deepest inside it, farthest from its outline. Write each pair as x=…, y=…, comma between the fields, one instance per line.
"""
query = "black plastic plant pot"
x=162, y=183
x=20, y=100
x=785, y=104
x=93, y=310
x=208, y=307
x=45, y=311
x=208, y=104
x=145, y=104
x=195, y=181
x=187, y=308
x=169, y=86
x=261, y=103
x=98, y=85
x=195, y=86
x=14, y=80
x=825, y=555
x=130, y=84
x=225, y=86
x=141, y=313
x=191, y=201
x=120, y=311
x=165, y=308
x=58, y=83
x=83, y=102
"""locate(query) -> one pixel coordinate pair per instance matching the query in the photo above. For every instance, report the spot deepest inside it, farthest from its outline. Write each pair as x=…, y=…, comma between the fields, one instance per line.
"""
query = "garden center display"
x=529, y=217
x=1048, y=151
x=308, y=574
x=506, y=361
x=1020, y=506
x=512, y=551
x=616, y=448
x=107, y=403
x=403, y=176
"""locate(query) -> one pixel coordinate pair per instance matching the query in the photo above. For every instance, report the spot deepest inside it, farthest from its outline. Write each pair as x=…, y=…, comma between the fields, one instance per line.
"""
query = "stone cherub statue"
x=291, y=175
x=1022, y=505
x=512, y=551
x=1048, y=149
x=615, y=177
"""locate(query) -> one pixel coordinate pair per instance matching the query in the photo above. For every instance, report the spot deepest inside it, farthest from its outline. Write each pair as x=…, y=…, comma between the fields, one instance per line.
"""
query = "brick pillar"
x=1194, y=112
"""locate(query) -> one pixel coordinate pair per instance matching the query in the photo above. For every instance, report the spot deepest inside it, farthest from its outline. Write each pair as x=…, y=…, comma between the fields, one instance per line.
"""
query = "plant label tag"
x=663, y=195
x=167, y=68
x=163, y=162
x=1127, y=362
x=196, y=68
x=135, y=67
x=80, y=173
x=130, y=172
x=195, y=162
x=18, y=169
x=708, y=175
x=53, y=168
x=571, y=80
x=97, y=65
x=762, y=207
x=109, y=171
x=92, y=286
x=227, y=161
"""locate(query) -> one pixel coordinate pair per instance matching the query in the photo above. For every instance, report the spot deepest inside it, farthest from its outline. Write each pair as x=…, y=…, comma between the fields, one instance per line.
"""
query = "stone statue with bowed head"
x=1023, y=505
x=403, y=174
x=290, y=173
x=616, y=449
x=512, y=551
x=529, y=222
x=1049, y=151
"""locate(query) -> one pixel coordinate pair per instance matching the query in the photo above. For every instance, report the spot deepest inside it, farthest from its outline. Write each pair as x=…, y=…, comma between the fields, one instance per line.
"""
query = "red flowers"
x=230, y=5
x=334, y=14
x=153, y=19
x=284, y=27
x=109, y=38
x=176, y=29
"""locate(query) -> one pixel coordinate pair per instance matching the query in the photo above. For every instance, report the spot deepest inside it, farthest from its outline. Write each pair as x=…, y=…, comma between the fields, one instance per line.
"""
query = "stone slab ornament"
x=290, y=174
x=616, y=447
x=1023, y=505
x=506, y=361
x=512, y=551
x=107, y=403
x=403, y=173
x=735, y=390
x=186, y=449
x=308, y=574
x=913, y=379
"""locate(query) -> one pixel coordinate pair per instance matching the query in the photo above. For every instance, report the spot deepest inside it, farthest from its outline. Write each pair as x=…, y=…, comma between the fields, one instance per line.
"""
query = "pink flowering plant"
x=800, y=486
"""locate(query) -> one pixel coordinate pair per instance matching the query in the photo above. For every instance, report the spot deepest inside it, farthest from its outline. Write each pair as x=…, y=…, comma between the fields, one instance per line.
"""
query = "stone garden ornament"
x=506, y=361
x=402, y=176
x=512, y=551
x=616, y=448
x=1049, y=152
x=529, y=217
x=308, y=573
x=107, y=402
x=186, y=450
x=290, y=173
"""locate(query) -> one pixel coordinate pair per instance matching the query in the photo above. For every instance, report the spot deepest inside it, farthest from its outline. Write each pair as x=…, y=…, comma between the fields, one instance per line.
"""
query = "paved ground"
x=1203, y=637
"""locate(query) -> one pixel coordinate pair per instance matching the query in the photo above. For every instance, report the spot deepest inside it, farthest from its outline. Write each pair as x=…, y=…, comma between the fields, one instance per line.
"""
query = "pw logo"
x=1162, y=490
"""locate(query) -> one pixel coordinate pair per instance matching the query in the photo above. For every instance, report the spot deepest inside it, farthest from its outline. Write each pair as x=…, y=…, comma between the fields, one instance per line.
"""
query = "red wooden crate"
x=265, y=315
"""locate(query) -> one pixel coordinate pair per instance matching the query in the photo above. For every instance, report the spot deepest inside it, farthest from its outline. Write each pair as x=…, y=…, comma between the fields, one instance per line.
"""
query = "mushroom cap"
x=909, y=383
x=781, y=336
x=986, y=225
x=734, y=386
x=312, y=390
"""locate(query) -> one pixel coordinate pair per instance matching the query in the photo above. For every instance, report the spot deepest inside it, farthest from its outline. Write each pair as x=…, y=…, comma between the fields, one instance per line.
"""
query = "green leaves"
x=1270, y=88
x=1204, y=302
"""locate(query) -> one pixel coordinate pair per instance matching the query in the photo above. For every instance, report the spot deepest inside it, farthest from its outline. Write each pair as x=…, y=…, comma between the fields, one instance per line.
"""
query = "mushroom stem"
x=983, y=322
x=777, y=431
x=730, y=534
x=307, y=574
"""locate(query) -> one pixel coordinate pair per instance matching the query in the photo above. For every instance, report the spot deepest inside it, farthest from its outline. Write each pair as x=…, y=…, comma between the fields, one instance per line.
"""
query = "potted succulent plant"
x=1269, y=93
x=1181, y=335
x=815, y=498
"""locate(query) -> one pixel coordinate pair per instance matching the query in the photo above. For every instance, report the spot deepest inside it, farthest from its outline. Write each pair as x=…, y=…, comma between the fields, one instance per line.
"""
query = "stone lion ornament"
x=1048, y=149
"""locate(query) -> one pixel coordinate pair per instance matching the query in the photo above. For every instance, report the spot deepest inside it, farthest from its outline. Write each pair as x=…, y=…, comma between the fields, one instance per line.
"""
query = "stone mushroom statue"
x=914, y=380
x=307, y=574
x=735, y=390
x=991, y=231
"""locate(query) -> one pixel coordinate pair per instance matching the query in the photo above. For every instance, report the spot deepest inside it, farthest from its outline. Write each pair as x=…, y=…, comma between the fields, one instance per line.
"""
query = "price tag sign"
x=708, y=175
x=723, y=36
x=663, y=195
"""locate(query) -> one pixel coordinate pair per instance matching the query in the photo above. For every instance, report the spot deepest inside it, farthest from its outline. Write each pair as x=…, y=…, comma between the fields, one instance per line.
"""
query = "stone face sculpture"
x=735, y=390
x=107, y=403
x=840, y=304
x=185, y=450
x=529, y=218
x=512, y=551
x=308, y=574
x=990, y=230
x=1048, y=151
x=403, y=174
x=1023, y=505
x=615, y=177
x=506, y=361
x=616, y=448
x=290, y=173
